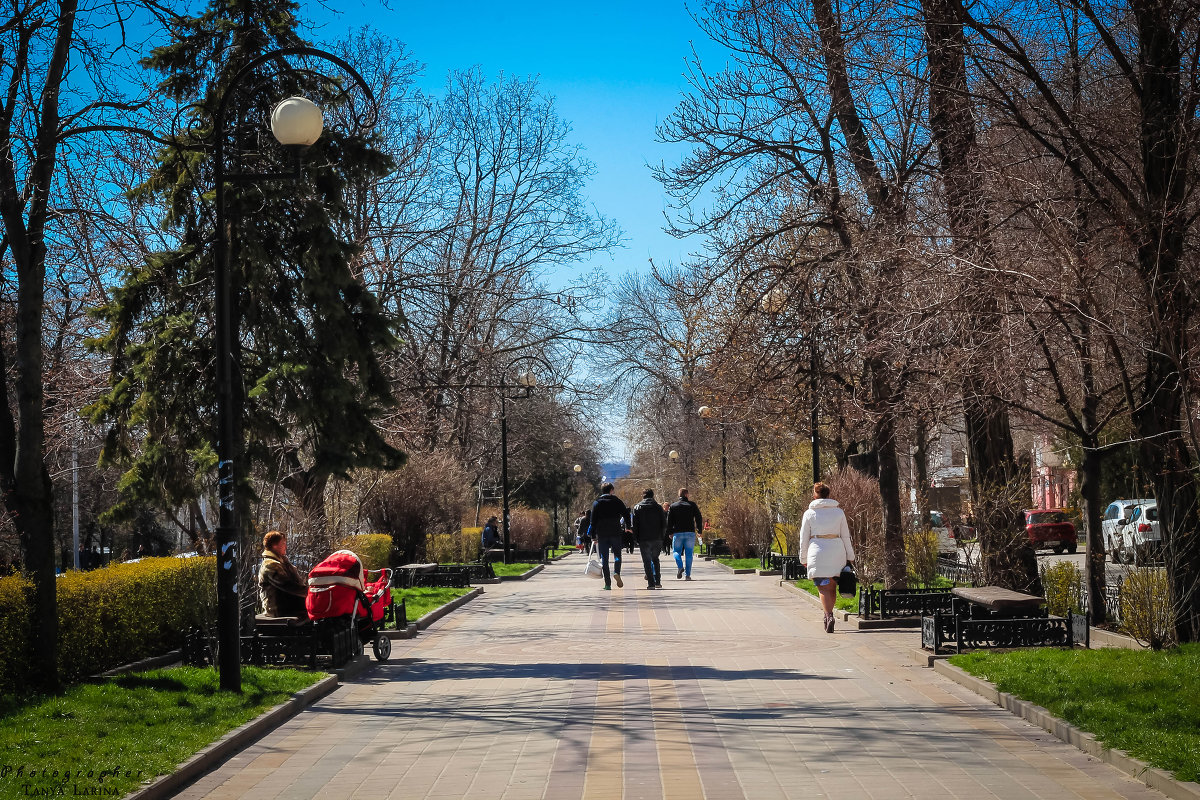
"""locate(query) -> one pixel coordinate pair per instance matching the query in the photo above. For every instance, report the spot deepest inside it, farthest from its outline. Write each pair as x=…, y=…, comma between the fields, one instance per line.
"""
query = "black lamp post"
x=295, y=122
x=527, y=382
x=708, y=412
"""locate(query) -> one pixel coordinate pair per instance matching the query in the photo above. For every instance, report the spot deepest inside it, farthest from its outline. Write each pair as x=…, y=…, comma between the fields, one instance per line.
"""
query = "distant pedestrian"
x=825, y=547
x=585, y=535
x=649, y=522
x=491, y=534
x=607, y=529
x=684, y=523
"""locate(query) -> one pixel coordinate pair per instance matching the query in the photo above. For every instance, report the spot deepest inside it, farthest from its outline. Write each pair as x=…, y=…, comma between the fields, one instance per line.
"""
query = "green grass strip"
x=1144, y=702
x=419, y=602
x=106, y=738
x=741, y=563
x=841, y=604
x=512, y=569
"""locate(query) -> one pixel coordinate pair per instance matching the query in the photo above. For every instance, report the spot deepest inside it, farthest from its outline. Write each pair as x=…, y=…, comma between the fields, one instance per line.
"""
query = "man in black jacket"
x=649, y=522
x=684, y=523
x=607, y=529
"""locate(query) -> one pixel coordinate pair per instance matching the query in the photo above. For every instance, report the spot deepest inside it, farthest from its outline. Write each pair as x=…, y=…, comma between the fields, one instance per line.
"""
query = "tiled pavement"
x=724, y=687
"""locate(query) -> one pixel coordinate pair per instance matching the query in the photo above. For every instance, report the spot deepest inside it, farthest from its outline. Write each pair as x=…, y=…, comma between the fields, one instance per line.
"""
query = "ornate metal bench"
x=990, y=616
x=280, y=640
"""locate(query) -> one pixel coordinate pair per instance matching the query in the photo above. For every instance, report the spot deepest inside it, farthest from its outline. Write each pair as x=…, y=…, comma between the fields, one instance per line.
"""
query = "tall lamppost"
x=296, y=122
x=708, y=412
x=526, y=382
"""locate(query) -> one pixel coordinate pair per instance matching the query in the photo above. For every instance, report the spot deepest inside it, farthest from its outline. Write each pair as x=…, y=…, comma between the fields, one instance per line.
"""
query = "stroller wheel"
x=382, y=647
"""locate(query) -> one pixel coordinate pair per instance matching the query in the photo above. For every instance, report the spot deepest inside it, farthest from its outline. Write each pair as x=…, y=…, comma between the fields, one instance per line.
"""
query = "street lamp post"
x=295, y=122
x=527, y=381
x=707, y=412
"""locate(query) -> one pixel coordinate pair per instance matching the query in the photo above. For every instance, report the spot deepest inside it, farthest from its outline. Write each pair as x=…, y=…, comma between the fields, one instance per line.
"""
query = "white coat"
x=825, y=557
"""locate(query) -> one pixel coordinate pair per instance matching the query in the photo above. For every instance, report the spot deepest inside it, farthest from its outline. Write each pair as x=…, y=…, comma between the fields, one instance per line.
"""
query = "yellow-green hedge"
x=110, y=616
x=374, y=549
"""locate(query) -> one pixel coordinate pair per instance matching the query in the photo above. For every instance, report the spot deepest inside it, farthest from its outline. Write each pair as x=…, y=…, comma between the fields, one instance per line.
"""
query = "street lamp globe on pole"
x=295, y=122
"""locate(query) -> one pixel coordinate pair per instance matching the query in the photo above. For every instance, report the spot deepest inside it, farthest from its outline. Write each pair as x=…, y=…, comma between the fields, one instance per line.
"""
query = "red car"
x=1051, y=527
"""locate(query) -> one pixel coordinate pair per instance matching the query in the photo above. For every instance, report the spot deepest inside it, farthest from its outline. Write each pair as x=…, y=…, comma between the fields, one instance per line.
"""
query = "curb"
x=769, y=572
x=1102, y=638
x=410, y=632
x=229, y=744
x=441, y=611
x=524, y=576
x=1135, y=768
x=844, y=616
x=154, y=662
x=735, y=571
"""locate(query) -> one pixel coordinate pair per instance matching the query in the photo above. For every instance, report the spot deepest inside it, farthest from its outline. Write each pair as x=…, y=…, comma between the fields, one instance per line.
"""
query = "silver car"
x=1140, y=539
x=1112, y=526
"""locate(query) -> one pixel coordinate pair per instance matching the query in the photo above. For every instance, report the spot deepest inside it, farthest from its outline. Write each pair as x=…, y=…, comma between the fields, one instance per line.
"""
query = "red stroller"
x=338, y=587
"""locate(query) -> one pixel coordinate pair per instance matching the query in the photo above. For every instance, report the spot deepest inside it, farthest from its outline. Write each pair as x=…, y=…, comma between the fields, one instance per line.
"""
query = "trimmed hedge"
x=374, y=549
x=109, y=616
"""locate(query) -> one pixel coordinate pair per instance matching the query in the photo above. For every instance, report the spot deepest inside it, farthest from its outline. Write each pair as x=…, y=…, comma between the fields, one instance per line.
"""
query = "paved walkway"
x=725, y=687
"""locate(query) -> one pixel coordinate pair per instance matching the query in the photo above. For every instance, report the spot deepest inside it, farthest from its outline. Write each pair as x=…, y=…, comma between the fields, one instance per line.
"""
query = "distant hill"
x=614, y=470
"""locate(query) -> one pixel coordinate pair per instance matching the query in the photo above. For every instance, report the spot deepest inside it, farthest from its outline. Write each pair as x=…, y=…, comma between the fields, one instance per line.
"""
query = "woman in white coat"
x=825, y=547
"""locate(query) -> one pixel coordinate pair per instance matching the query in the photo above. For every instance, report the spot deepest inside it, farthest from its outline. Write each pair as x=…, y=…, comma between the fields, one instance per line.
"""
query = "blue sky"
x=615, y=69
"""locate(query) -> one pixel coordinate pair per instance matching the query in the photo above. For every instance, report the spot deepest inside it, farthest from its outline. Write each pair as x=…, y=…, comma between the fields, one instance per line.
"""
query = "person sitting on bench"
x=281, y=587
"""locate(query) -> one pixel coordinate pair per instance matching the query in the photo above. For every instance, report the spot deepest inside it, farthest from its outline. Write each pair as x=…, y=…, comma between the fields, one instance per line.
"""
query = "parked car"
x=1140, y=539
x=1051, y=527
x=1116, y=517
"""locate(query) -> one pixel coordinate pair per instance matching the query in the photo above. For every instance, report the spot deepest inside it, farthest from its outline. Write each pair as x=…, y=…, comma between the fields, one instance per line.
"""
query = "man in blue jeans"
x=684, y=523
x=609, y=519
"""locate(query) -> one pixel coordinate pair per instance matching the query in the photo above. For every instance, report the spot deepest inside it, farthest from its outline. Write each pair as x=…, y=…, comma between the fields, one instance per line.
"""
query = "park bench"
x=539, y=556
x=789, y=567
x=992, y=616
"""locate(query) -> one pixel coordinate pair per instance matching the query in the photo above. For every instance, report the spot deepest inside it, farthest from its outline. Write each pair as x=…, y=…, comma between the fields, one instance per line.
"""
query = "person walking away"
x=684, y=522
x=281, y=587
x=825, y=547
x=585, y=531
x=649, y=522
x=607, y=529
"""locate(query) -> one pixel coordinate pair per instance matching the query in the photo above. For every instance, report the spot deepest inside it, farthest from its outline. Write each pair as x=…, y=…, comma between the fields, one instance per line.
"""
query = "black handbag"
x=847, y=582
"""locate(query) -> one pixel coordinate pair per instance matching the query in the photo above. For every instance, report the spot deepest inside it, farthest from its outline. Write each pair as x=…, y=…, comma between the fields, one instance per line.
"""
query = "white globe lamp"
x=297, y=121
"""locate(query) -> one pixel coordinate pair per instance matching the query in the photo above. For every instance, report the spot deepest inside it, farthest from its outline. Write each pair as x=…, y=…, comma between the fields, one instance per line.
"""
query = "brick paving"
x=725, y=687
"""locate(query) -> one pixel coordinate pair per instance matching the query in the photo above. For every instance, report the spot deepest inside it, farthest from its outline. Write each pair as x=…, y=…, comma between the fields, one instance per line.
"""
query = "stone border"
x=1103, y=638
x=524, y=576
x=441, y=611
x=735, y=570
x=1135, y=768
x=228, y=745
x=153, y=662
x=770, y=572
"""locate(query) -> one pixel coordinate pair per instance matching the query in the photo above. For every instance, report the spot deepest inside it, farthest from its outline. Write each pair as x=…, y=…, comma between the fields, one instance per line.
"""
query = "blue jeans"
x=681, y=544
x=603, y=545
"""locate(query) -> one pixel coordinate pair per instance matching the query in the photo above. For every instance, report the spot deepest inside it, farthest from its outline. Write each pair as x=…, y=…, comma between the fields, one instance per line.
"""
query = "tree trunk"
x=921, y=475
x=1158, y=419
x=1093, y=505
x=895, y=571
x=992, y=469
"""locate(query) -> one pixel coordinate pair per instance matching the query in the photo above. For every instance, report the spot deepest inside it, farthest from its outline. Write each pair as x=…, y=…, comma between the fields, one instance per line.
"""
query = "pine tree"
x=310, y=332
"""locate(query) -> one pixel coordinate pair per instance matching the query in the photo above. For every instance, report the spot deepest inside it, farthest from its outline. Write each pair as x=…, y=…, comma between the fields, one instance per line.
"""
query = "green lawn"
x=842, y=603
x=419, y=602
x=512, y=569
x=741, y=563
x=558, y=551
x=1144, y=702
x=137, y=726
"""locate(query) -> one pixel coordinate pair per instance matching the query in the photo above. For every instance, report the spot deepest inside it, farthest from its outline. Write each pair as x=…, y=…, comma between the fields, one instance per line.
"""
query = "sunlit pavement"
x=722, y=687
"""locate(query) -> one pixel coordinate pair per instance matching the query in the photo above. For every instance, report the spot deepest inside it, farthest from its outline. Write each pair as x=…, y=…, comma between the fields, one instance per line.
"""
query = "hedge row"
x=373, y=549
x=108, y=617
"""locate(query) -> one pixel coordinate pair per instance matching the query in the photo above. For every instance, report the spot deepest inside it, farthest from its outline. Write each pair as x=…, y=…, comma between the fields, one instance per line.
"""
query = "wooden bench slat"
x=996, y=597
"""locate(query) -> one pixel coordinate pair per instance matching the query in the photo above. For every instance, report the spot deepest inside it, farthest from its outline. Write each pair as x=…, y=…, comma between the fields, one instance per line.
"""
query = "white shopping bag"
x=594, y=568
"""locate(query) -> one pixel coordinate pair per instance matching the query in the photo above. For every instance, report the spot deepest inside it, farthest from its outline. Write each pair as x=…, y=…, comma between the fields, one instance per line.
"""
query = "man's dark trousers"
x=603, y=545
x=651, y=549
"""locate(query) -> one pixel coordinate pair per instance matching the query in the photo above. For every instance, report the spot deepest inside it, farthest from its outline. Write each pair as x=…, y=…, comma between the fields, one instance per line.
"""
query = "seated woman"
x=281, y=587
